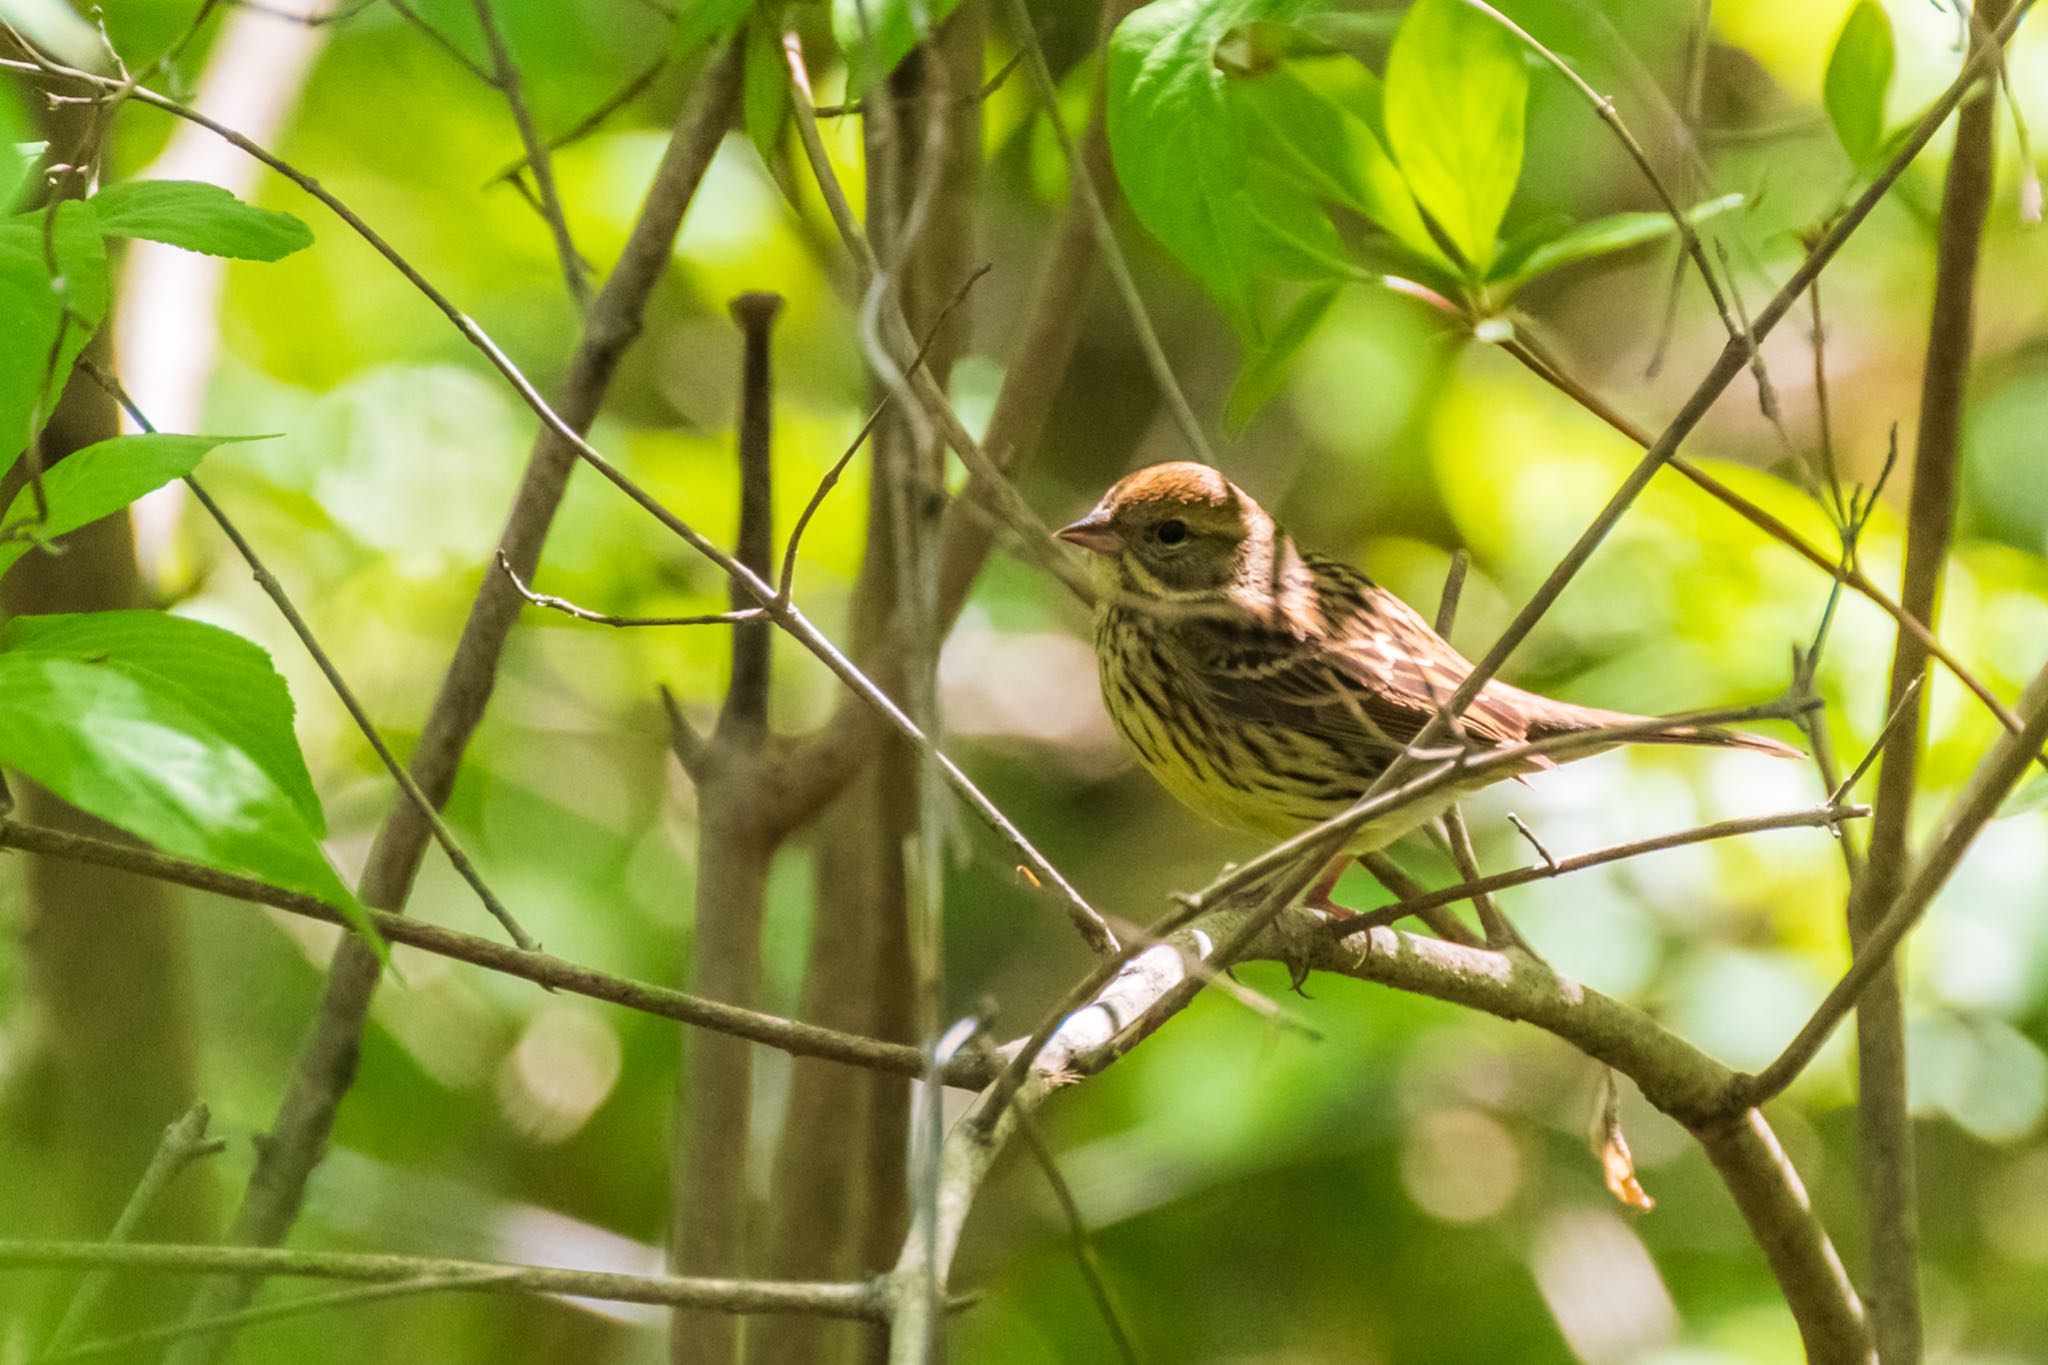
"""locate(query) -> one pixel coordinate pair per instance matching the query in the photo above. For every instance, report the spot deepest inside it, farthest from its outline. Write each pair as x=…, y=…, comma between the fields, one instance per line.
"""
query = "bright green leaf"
x=765, y=102
x=98, y=481
x=1180, y=145
x=1601, y=237
x=875, y=35
x=224, y=679
x=118, y=744
x=1456, y=93
x=1266, y=368
x=53, y=297
x=705, y=21
x=198, y=217
x=18, y=155
x=1859, y=77
x=1305, y=119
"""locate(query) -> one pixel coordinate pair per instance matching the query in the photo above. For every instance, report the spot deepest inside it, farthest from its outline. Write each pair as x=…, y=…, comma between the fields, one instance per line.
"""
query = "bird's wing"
x=1363, y=670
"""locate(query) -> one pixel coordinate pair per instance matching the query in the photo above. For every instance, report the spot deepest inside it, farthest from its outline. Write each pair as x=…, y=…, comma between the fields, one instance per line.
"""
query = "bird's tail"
x=1564, y=720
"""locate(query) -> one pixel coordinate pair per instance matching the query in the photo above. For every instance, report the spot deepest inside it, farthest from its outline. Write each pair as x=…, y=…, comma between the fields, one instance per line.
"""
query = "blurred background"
x=1417, y=1185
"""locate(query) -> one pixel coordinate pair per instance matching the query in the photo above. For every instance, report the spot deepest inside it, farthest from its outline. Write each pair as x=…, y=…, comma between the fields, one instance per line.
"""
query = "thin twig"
x=1739, y=331
x=1086, y=1257
x=838, y=1300
x=1993, y=778
x=593, y=120
x=1815, y=817
x=505, y=79
x=1405, y=888
x=1083, y=187
x=271, y=1312
x=598, y=618
x=183, y=1142
x=785, y=614
x=1525, y=349
x=1900, y=710
x=274, y=590
x=1522, y=828
x=838, y=466
x=786, y=1035
x=325, y=1065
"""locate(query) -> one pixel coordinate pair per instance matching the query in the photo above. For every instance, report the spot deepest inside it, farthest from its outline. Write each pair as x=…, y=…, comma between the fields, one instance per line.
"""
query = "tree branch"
x=1886, y=1151
x=325, y=1066
x=543, y=969
x=504, y=77
x=852, y=1300
x=1992, y=780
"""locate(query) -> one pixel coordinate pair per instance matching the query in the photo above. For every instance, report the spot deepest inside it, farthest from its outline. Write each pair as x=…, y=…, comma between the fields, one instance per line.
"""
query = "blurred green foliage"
x=1417, y=1185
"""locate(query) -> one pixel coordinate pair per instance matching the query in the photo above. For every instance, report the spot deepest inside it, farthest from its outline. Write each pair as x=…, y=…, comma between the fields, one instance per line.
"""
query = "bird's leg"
x=1317, y=896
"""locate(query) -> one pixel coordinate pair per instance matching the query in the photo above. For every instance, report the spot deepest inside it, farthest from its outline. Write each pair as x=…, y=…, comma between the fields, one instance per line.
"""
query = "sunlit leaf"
x=224, y=679
x=1456, y=95
x=1858, y=79
x=98, y=481
x=1266, y=368
x=1601, y=237
x=18, y=154
x=765, y=100
x=875, y=35
x=1309, y=120
x=198, y=217
x=1180, y=145
x=118, y=743
x=53, y=297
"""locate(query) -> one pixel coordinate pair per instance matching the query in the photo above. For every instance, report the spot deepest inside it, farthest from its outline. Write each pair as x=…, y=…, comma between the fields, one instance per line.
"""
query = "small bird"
x=1267, y=688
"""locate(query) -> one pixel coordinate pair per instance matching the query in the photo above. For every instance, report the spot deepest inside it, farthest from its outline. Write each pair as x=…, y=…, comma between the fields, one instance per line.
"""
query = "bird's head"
x=1174, y=531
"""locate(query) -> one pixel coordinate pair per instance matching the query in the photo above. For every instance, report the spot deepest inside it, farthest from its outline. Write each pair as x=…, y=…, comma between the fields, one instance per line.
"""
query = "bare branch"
x=598, y=618
x=1525, y=349
x=505, y=78
x=1993, y=778
x=1085, y=1255
x=854, y=1300
x=1885, y=1153
x=183, y=1142
x=1816, y=817
x=786, y=1035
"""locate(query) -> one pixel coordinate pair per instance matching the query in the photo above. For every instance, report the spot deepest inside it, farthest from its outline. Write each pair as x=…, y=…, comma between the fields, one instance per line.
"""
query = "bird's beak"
x=1092, y=532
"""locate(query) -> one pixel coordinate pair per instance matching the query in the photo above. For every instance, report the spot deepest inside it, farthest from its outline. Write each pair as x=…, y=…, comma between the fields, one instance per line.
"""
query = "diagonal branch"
x=847, y=1300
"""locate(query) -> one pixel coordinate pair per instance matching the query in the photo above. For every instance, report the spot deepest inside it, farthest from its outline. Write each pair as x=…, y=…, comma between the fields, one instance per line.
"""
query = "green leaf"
x=1265, y=370
x=1310, y=121
x=1457, y=91
x=98, y=481
x=227, y=681
x=1179, y=141
x=875, y=35
x=53, y=297
x=198, y=217
x=56, y=28
x=764, y=105
x=1601, y=237
x=118, y=744
x=18, y=155
x=2025, y=799
x=705, y=21
x=1858, y=79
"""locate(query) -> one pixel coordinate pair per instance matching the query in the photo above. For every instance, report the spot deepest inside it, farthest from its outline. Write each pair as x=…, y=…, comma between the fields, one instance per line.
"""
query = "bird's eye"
x=1171, y=532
